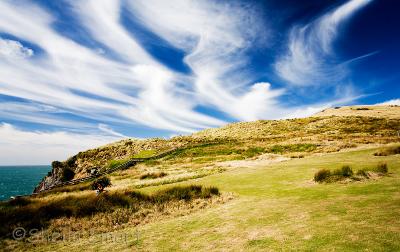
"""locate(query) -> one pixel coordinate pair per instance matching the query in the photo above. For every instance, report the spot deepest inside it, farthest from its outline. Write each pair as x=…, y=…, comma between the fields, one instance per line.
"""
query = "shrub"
x=153, y=175
x=71, y=161
x=362, y=108
x=322, y=175
x=67, y=174
x=101, y=183
x=56, y=164
x=382, y=168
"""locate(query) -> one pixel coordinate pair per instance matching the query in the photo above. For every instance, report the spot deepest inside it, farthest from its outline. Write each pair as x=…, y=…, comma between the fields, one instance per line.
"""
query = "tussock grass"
x=346, y=171
x=392, y=150
x=381, y=168
x=38, y=213
x=322, y=175
x=153, y=175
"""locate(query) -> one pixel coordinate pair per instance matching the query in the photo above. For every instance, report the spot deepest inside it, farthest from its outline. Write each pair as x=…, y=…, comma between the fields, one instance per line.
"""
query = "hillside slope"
x=328, y=131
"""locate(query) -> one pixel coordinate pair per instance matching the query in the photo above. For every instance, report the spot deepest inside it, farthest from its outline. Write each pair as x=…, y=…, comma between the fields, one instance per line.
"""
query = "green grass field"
x=275, y=207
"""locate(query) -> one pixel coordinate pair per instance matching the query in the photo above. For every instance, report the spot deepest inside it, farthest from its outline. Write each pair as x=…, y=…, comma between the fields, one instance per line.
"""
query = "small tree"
x=100, y=184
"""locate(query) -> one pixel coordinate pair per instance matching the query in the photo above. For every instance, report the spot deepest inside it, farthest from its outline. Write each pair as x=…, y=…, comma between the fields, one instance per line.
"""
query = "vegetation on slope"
x=276, y=207
x=242, y=140
x=346, y=172
x=38, y=212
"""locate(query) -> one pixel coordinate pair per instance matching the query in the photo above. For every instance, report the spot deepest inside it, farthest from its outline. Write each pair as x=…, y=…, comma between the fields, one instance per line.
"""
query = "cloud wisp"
x=310, y=59
x=56, y=79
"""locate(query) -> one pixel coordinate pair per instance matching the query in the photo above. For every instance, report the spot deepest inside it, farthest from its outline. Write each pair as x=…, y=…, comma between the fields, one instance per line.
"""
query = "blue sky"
x=75, y=74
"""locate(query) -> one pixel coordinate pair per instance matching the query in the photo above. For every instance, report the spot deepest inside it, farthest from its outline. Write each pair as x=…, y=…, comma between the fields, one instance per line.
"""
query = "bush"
x=101, y=183
x=153, y=175
x=322, y=175
x=67, y=174
x=382, y=168
x=56, y=164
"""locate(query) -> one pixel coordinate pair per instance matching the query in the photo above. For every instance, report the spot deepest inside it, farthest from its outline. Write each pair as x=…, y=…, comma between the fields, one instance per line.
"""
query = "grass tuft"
x=345, y=171
x=381, y=168
x=153, y=175
x=388, y=151
x=327, y=176
x=322, y=175
x=38, y=213
x=362, y=173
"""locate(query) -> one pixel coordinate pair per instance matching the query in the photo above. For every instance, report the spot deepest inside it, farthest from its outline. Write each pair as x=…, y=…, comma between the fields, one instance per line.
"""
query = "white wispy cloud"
x=107, y=129
x=310, y=59
x=19, y=147
x=118, y=81
x=215, y=37
x=13, y=49
x=67, y=67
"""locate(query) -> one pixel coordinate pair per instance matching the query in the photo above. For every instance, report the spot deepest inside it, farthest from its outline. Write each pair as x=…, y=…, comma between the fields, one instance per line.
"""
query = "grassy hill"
x=245, y=186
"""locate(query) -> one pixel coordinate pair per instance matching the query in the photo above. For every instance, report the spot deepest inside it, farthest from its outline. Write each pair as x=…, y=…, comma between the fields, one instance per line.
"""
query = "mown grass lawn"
x=279, y=207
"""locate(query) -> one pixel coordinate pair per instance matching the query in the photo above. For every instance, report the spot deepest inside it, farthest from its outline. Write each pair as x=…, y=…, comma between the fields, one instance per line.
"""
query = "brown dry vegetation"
x=120, y=206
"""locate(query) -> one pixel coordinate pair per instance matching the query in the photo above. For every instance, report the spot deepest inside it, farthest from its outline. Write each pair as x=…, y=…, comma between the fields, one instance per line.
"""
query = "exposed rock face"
x=83, y=163
x=60, y=172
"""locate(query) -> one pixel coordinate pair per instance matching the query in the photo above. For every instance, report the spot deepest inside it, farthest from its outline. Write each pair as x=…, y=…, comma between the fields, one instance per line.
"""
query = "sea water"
x=20, y=180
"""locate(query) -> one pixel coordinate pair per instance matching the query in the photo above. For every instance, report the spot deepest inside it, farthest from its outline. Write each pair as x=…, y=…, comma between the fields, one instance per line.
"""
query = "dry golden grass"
x=388, y=111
